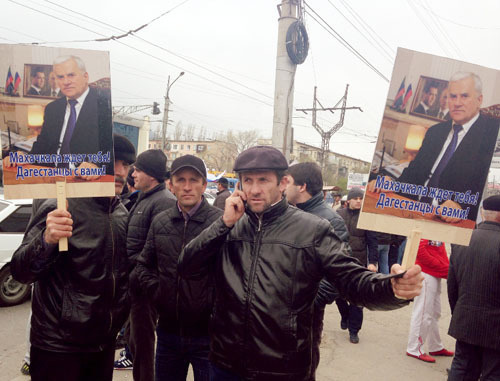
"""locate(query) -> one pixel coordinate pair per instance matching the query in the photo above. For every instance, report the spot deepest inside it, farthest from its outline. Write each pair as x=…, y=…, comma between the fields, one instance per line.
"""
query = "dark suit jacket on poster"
x=33, y=91
x=93, y=130
x=420, y=109
x=467, y=170
x=474, y=288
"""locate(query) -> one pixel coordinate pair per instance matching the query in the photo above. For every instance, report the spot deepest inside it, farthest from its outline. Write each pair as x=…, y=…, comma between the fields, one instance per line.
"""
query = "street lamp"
x=165, y=114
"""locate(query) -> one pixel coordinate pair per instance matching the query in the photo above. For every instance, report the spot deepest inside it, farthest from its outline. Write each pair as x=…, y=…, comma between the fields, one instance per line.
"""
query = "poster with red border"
x=55, y=122
x=438, y=136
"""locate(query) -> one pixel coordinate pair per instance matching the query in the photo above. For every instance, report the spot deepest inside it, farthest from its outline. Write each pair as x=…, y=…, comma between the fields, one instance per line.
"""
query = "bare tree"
x=189, y=132
x=219, y=156
x=178, y=131
x=201, y=133
x=242, y=140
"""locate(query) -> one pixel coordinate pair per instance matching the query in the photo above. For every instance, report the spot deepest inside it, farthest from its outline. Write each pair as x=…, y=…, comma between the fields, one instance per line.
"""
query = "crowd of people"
x=237, y=289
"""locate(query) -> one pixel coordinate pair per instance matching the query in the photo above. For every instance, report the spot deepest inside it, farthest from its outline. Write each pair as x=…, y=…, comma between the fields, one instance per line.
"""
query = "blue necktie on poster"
x=70, y=127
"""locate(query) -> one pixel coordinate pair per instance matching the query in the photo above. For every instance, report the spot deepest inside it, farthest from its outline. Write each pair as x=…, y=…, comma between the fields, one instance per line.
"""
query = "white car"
x=14, y=216
x=209, y=197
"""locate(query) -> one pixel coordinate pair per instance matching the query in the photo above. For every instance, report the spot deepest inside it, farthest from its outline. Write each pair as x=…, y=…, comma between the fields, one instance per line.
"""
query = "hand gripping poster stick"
x=61, y=204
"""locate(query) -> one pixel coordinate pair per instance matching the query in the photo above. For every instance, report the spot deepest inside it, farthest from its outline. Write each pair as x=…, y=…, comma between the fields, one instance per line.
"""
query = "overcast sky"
x=237, y=40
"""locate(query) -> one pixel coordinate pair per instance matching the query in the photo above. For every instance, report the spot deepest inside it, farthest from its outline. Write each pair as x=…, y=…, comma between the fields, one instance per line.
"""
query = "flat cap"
x=260, y=158
x=189, y=161
x=492, y=203
x=124, y=149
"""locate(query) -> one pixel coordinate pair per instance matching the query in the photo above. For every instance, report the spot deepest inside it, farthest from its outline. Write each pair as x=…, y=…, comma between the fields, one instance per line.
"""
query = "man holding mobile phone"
x=268, y=259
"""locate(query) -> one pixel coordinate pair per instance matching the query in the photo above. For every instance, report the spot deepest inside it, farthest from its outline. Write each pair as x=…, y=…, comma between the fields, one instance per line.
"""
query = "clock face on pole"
x=297, y=42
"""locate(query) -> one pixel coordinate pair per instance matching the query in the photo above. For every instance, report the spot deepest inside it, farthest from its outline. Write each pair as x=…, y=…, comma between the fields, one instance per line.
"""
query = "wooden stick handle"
x=61, y=204
x=411, y=249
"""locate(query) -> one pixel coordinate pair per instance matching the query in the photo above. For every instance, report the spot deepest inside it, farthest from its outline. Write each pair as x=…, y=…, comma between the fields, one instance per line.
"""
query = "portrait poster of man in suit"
x=442, y=180
x=75, y=139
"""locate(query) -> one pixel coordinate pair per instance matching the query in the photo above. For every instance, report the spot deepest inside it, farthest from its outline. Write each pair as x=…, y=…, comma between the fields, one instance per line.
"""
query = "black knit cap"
x=355, y=192
x=492, y=203
x=260, y=158
x=152, y=162
x=124, y=149
x=189, y=161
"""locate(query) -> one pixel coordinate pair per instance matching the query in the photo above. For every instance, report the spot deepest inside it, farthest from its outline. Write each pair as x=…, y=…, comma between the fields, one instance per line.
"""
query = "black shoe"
x=25, y=369
x=343, y=324
x=353, y=338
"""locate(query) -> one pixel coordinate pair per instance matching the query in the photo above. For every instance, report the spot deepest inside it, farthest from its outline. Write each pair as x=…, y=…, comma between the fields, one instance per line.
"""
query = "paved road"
x=380, y=355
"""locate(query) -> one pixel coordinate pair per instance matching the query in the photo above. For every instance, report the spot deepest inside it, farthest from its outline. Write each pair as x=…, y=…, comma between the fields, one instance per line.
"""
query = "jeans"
x=174, y=354
x=383, y=259
x=401, y=251
x=218, y=374
x=350, y=313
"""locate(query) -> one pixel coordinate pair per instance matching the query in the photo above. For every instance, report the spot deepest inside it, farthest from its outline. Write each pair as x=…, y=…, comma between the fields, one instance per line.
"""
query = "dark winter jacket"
x=327, y=293
x=148, y=205
x=184, y=306
x=80, y=297
x=361, y=241
x=267, y=270
x=474, y=288
x=317, y=206
x=129, y=199
x=220, y=200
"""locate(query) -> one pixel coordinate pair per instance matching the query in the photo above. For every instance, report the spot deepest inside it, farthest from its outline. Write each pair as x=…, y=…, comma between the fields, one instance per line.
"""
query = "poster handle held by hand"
x=411, y=249
x=61, y=204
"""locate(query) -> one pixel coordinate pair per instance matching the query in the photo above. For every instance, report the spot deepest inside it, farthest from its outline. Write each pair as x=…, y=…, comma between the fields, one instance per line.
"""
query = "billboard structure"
x=56, y=122
x=434, y=150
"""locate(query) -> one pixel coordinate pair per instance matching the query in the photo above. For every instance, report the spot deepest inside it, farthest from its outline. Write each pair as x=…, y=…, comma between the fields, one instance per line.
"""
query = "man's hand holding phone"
x=235, y=207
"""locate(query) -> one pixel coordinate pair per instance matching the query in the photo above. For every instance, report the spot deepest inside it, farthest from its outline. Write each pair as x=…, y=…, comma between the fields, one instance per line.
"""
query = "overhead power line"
x=152, y=56
x=368, y=28
x=132, y=33
x=369, y=38
x=325, y=25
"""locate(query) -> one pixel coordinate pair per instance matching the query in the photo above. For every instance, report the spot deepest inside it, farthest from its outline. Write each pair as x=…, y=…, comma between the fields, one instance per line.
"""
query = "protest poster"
x=435, y=146
x=55, y=122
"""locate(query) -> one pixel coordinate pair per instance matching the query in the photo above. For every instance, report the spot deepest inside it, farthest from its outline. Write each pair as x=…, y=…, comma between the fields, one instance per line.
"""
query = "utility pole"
x=291, y=51
x=165, y=112
x=327, y=135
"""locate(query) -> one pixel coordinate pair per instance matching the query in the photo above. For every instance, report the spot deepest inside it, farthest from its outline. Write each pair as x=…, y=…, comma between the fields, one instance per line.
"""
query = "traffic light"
x=156, y=109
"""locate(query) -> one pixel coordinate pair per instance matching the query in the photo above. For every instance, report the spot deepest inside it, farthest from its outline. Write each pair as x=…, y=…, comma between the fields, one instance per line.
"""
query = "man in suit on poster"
x=80, y=122
x=443, y=112
x=428, y=99
x=54, y=90
x=455, y=155
x=37, y=82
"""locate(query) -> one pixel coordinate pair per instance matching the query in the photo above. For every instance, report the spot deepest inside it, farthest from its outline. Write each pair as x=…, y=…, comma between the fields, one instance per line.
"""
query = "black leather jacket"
x=327, y=293
x=80, y=298
x=267, y=270
x=184, y=306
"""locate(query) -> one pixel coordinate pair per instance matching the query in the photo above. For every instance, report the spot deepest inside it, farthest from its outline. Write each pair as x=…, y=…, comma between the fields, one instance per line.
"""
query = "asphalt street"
x=380, y=355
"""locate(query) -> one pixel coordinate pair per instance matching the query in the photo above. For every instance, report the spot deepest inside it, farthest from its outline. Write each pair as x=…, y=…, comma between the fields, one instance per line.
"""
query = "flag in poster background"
x=398, y=101
x=409, y=93
x=9, y=87
x=17, y=82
